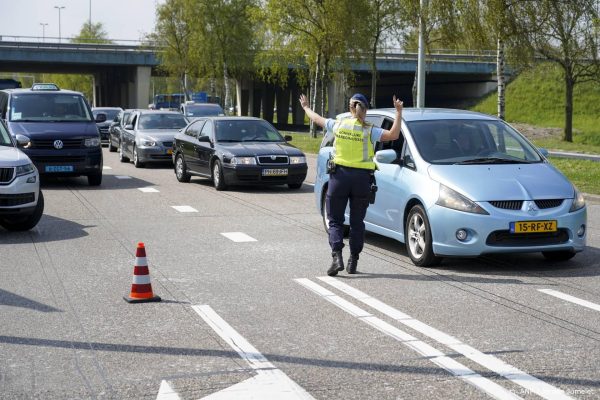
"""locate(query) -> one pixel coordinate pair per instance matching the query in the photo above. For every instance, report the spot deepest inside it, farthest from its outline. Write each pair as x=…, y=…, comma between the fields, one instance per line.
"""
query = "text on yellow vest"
x=353, y=146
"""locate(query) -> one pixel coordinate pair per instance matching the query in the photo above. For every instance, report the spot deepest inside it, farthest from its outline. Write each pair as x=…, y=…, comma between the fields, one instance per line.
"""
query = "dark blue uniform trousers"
x=354, y=185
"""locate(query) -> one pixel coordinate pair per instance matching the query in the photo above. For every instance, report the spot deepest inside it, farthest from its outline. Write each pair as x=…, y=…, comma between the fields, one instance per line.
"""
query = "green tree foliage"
x=320, y=34
x=384, y=20
x=565, y=32
x=174, y=25
x=205, y=38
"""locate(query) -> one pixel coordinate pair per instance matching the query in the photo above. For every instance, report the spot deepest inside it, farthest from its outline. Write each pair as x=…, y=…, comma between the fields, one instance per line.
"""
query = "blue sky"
x=122, y=19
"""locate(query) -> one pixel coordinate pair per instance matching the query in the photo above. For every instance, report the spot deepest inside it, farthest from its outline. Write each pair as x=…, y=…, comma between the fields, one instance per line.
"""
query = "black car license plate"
x=58, y=168
x=275, y=172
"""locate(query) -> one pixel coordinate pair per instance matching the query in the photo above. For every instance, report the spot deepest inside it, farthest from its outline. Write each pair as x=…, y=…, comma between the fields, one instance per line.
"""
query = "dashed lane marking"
x=571, y=299
x=530, y=383
x=238, y=237
x=269, y=382
x=123, y=177
x=430, y=353
x=148, y=190
x=185, y=209
x=106, y=167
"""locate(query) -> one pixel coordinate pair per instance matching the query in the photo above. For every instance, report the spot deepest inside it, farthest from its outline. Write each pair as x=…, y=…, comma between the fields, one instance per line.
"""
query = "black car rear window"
x=246, y=131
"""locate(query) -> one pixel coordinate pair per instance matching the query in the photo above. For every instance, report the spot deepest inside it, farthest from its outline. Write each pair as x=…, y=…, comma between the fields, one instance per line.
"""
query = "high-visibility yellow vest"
x=353, y=147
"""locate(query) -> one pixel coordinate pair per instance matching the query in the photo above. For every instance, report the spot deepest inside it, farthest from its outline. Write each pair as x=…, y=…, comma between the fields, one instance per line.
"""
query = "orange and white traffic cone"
x=141, y=288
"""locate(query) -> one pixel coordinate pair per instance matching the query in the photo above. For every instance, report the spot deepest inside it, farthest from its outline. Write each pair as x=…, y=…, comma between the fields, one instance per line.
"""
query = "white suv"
x=21, y=200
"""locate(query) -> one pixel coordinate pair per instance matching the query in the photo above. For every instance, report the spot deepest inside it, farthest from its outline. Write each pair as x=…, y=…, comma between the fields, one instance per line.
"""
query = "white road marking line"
x=269, y=383
x=238, y=237
x=434, y=355
x=309, y=184
x=148, y=190
x=571, y=299
x=106, y=167
x=166, y=392
x=185, y=209
x=122, y=177
x=492, y=363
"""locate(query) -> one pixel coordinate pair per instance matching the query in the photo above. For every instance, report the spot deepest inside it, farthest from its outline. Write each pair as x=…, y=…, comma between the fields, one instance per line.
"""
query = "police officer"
x=353, y=174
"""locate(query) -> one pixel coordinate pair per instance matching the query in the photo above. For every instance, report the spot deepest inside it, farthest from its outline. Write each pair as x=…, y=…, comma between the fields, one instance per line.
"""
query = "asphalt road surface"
x=248, y=312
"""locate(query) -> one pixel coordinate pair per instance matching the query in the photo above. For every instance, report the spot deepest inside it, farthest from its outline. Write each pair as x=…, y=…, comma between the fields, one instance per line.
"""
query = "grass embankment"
x=536, y=97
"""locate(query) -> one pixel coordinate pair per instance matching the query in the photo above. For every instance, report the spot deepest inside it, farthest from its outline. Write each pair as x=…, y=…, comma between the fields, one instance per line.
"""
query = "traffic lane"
x=263, y=251
x=283, y=234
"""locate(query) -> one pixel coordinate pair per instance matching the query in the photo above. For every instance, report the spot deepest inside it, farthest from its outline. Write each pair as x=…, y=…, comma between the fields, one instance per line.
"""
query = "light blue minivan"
x=459, y=183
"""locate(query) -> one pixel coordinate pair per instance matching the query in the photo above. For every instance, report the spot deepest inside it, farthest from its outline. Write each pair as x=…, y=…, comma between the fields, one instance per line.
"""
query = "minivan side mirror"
x=543, y=151
x=386, y=156
x=205, y=139
x=22, y=140
x=129, y=127
x=100, y=117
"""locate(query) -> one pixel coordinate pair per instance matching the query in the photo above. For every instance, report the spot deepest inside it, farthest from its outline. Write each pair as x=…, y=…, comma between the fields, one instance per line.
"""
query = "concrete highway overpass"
x=122, y=77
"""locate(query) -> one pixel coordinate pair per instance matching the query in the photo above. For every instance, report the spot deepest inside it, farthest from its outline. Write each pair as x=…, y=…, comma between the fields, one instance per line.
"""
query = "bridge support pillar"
x=244, y=96
x=283, y=105
x=297, y=110
x=337, y=96
x=139, y=88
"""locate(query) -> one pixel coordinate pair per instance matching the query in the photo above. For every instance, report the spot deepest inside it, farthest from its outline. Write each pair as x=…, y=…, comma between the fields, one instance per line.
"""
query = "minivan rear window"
x=54, y=107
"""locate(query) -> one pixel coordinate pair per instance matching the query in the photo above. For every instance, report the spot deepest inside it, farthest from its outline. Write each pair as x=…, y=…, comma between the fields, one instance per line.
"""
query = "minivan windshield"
x=4, y=136
x=471, y=141
x=49, y=107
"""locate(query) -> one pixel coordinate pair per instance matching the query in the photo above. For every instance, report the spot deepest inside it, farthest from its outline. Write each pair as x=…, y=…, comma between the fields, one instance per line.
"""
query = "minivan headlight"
x=243, y=160
x=452, y=199
x=297, y=160
x=25, y=169
x=92, y=142
x=578, y=201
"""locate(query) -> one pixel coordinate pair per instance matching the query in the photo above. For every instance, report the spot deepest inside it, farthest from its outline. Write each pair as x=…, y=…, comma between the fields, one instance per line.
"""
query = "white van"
x=21, y=200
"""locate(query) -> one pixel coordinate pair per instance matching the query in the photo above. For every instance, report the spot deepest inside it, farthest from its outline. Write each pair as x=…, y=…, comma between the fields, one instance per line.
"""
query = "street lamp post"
x=43, y=24
x=59, y=8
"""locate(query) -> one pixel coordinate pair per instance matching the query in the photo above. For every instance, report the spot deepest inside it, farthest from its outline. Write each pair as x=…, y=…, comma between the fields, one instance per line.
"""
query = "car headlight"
x=147, y=143
x=578, y=201
x=297, y=160
x=92, y=142
x=243, y=160
x=452, y=199
x=25, y=169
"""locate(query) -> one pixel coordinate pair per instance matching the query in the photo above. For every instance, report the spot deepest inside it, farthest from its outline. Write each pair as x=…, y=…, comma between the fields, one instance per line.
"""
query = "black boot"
x=337, y=264
x=352, y=263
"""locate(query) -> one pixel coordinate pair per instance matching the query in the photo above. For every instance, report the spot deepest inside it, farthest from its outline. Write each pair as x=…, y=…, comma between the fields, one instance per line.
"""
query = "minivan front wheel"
x=417, y=237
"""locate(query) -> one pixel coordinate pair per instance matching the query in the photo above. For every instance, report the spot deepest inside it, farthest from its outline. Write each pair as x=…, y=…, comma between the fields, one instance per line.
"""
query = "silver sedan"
x=148, y=136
